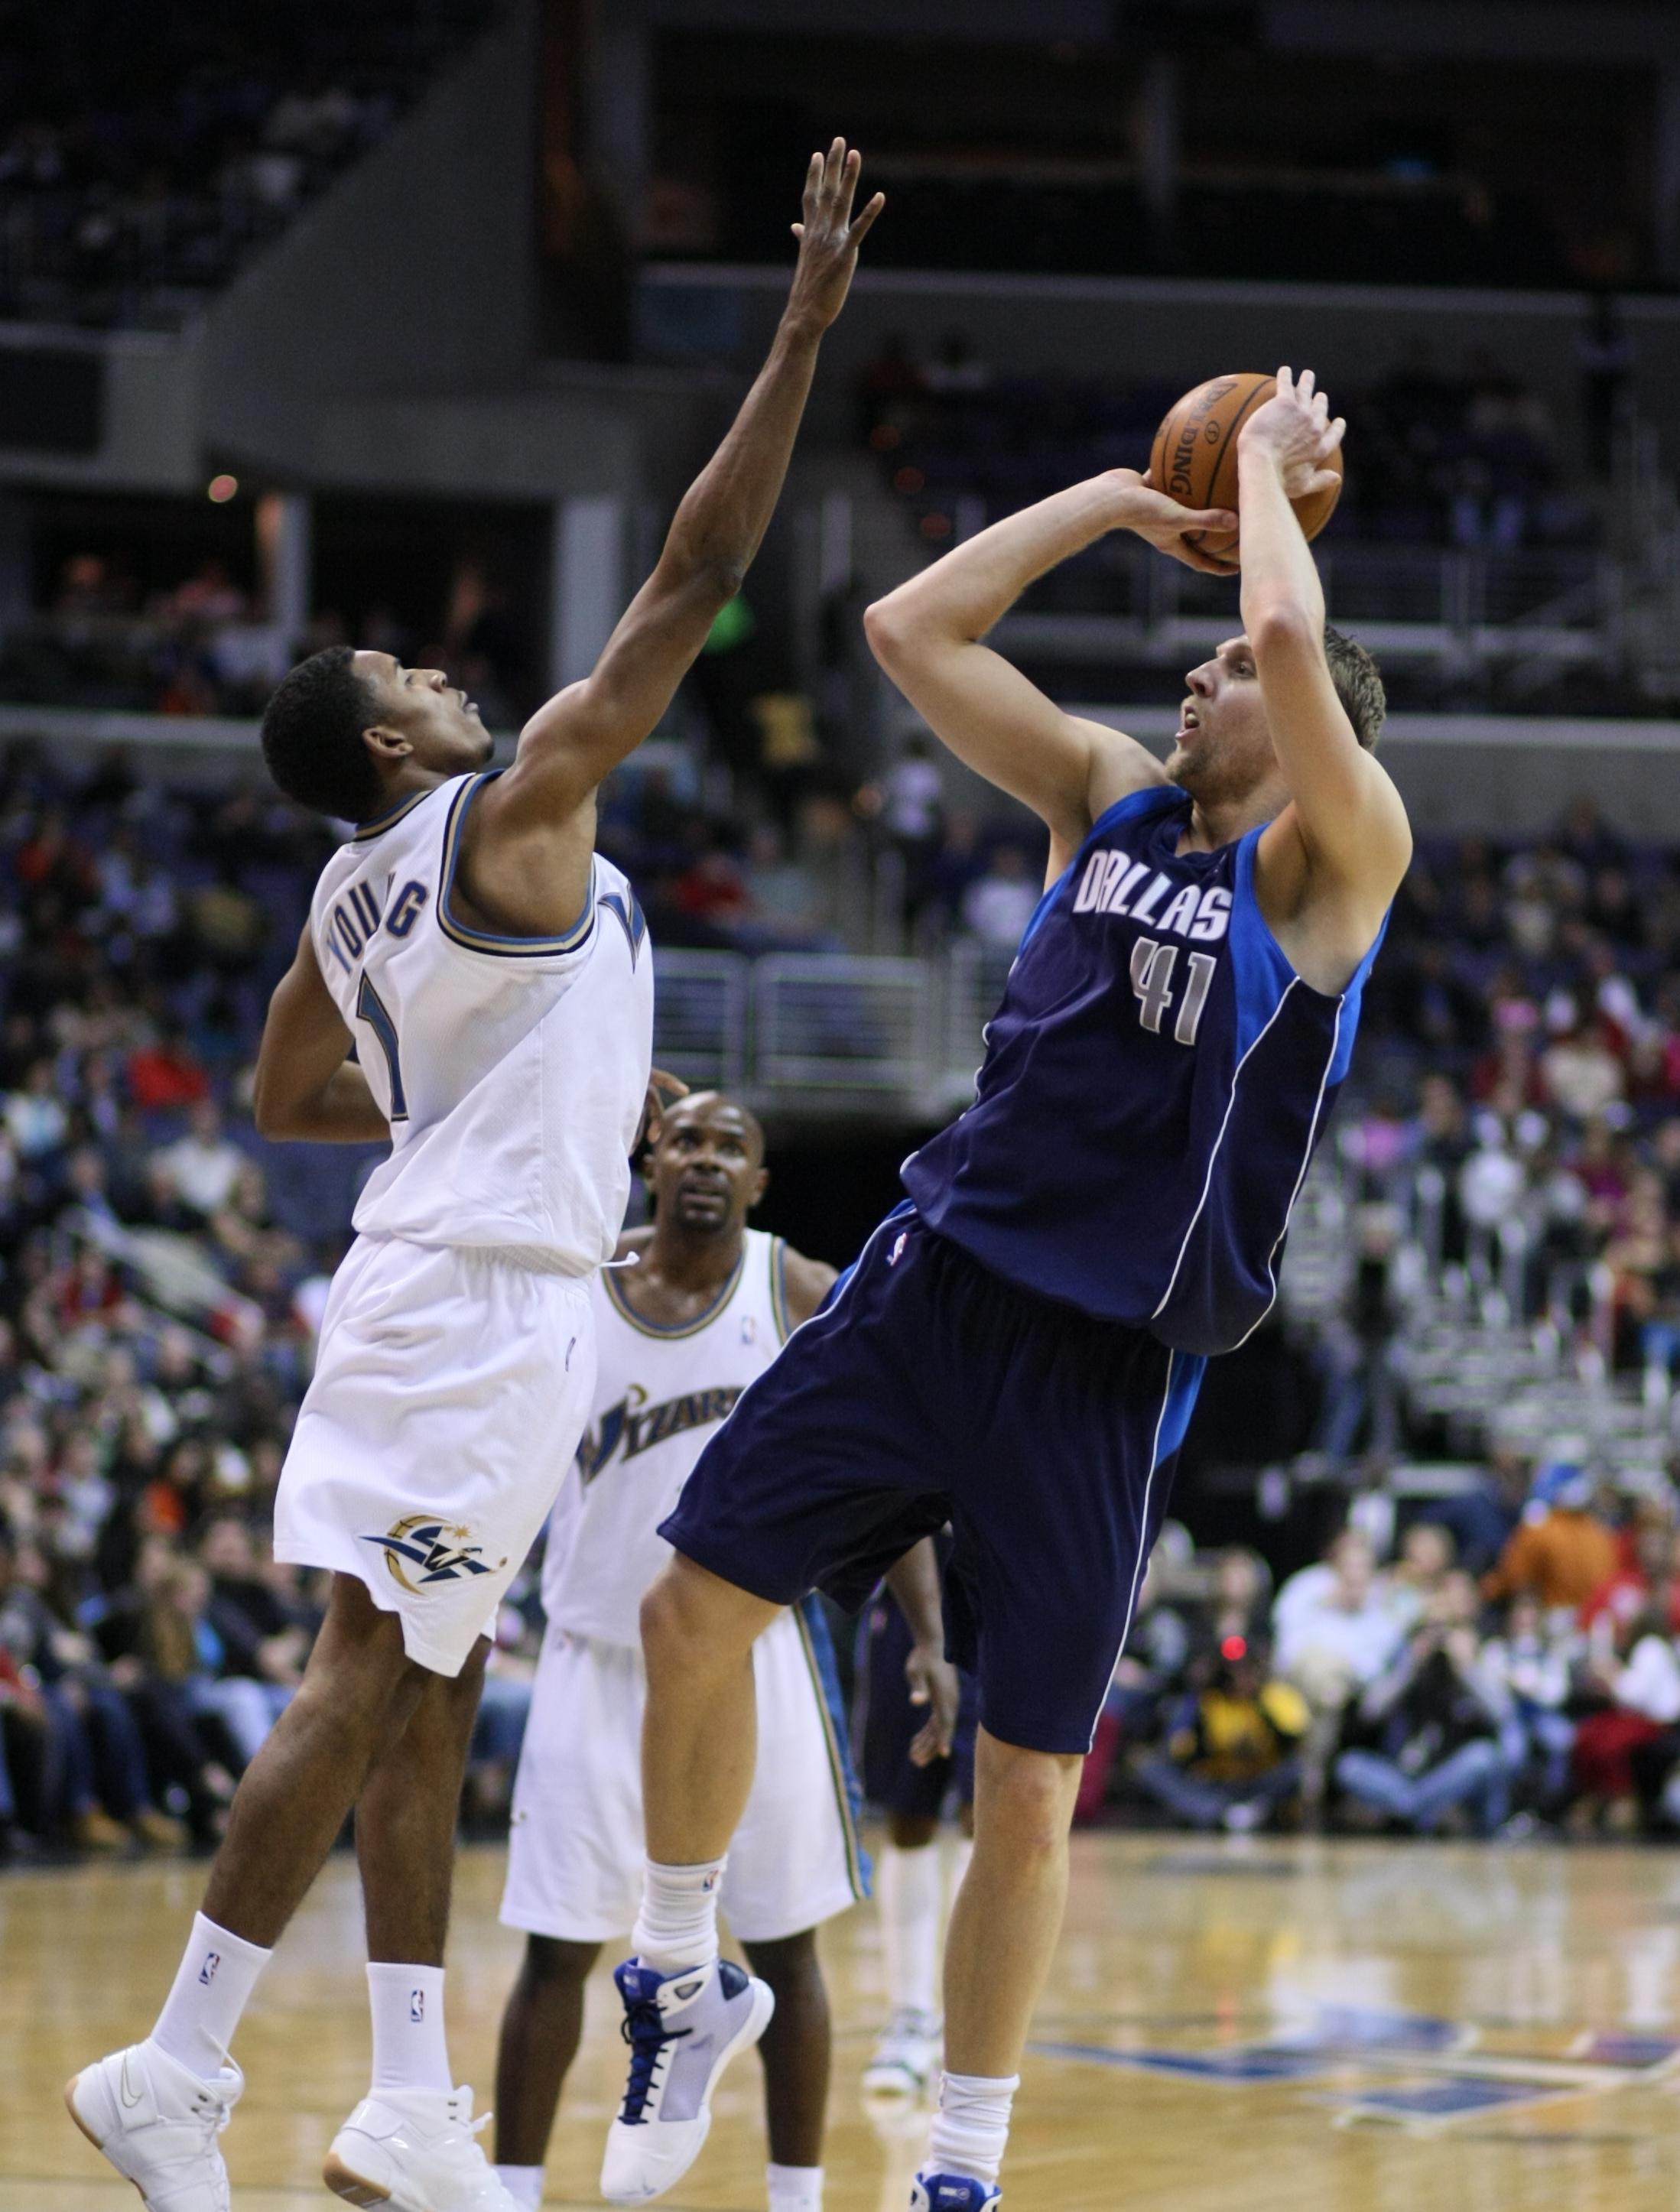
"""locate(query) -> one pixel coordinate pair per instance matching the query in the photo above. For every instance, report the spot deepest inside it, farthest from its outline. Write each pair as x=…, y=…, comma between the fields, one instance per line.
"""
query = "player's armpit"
x=306, y=1086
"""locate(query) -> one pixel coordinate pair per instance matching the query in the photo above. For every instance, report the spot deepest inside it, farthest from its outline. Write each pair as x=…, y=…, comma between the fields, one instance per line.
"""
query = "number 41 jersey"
x=1155, y=1085
x=512, y=1070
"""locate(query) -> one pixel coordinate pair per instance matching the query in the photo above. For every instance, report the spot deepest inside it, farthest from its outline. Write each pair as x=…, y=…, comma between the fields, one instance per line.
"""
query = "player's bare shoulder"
x=808, y=1283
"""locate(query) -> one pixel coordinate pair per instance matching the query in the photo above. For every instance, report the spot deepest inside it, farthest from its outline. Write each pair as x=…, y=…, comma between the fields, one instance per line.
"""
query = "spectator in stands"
x=998, y=905
x=202, y=1165
x=1436, y=1716
x=1232, y=1755
x=167, y=1072
x=1640, y=1681
x=263, y=1643
x=1529, y=1667
x=108, y=1794
x=1336, y=1629
x=1427, y=1555
x=1561, y=1550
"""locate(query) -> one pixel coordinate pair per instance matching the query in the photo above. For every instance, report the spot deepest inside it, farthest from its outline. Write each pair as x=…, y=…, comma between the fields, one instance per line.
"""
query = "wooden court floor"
x=1275, y=2027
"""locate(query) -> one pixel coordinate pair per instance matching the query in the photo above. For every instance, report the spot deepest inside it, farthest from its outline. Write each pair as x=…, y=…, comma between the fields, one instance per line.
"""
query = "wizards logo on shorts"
x=431, y=1550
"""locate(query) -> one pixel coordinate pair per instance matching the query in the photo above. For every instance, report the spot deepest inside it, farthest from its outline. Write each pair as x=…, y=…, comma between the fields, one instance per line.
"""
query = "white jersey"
x=512, y=1070
x=660, y=1396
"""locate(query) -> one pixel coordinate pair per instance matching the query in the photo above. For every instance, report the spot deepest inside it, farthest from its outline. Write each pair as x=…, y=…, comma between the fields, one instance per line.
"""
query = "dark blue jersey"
x=1155, y=1082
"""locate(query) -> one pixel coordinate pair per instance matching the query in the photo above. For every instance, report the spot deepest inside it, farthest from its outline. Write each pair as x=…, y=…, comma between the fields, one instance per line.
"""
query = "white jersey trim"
x=498, y=946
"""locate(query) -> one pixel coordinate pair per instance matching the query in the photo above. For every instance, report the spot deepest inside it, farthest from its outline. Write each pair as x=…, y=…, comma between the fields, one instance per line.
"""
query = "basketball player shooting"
x=492, y=971
x=1020, y=1346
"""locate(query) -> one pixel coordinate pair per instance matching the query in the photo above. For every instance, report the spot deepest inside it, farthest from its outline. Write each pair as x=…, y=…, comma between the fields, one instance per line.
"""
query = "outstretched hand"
x=1295, y=429
x=1161, y=522
x=829, y=237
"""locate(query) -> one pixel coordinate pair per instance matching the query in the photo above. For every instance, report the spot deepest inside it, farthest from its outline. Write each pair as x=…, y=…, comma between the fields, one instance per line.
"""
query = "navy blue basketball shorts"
x=884, y=1724
x=929, y=1390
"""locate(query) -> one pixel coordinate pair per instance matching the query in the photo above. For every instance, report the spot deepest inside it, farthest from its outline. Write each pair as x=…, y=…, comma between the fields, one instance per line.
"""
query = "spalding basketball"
x=1194, y=458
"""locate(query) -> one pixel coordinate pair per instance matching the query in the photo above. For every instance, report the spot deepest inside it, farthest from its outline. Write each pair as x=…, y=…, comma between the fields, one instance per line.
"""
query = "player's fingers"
x=1304, y=384
x=833, y=166
x=813, y=178
x=1286, y=383
x=865, y=222
x=1211, y=518
x=1333, y=436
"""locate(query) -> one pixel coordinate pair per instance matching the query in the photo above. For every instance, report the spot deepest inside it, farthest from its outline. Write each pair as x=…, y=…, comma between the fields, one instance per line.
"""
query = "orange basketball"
x=1194, y=458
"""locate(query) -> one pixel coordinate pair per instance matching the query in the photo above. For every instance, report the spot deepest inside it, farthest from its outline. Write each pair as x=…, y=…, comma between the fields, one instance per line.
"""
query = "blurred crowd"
x=203, y=644
x=1525, y=1687
x=1468, y=457
x=1446, y=456
x=145, y=152
x=1525, y=1057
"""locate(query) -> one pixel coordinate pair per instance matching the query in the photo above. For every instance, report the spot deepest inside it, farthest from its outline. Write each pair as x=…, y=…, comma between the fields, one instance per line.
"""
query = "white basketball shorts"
x=577, y=1847
x=450, y=1391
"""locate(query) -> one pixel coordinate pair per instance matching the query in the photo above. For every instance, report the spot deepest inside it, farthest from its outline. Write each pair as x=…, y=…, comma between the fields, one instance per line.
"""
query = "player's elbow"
x=1283, y=629
x=268, y=1112
x=890, y=628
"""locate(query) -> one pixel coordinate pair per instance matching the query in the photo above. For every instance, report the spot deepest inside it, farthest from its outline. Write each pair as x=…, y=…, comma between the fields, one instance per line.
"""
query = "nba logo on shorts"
x=207, y=1971
x=416, y=2006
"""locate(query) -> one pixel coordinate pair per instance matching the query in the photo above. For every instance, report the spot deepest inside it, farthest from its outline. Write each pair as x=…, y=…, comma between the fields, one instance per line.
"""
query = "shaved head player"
x=1019, y=1348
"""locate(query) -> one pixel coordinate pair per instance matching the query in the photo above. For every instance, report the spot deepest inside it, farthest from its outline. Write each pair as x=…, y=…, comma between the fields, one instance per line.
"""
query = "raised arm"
x=531, y=832
x=306, y=1086
x=1343, y=844
x=926, y=636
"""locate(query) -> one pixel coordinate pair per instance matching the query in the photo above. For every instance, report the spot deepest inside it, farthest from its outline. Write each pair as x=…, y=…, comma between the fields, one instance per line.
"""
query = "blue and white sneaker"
x=682, y=2029
x=953, y=2192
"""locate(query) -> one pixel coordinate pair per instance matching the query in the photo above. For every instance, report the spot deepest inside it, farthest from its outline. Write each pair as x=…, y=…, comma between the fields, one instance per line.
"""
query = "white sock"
x=907, y=1889
x=971, y=2126
x=794, y=2188
x=212, y=1988
x=524, y=2183
x=676, y=1925
x=411, y=2051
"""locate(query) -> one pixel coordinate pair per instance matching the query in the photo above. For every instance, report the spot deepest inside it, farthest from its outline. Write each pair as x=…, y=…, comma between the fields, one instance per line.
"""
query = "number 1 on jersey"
x=373, y=1010
x=1153, y=968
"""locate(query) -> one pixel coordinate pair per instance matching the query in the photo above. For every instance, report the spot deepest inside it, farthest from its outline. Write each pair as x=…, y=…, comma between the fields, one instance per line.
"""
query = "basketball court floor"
x=1273, y=2026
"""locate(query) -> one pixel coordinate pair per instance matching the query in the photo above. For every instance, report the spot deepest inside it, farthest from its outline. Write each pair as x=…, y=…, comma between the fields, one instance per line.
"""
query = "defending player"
x=704, y=1309
x=492, y=972
x=887, y=1725
x=1019, y=1348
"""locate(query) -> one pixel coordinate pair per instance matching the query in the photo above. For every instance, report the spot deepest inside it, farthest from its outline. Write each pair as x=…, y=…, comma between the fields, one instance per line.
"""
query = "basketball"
x=1194, y=458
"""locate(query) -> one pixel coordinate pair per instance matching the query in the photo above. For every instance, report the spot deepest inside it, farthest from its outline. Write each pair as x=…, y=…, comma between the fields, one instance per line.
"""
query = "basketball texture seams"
x=1194, y=457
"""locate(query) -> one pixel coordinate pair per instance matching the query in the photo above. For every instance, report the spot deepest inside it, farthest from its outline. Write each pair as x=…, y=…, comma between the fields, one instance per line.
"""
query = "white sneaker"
x=157, y=2122
x=414, y=2150
x=905, y=2056
x=682, y=2029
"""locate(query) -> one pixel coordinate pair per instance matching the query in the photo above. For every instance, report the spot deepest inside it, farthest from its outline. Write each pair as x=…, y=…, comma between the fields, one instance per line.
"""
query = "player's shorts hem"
x=436, y=1655
x=715, y=1562
x=528, y=1921
x=813, y=1917
x=1068, y=1742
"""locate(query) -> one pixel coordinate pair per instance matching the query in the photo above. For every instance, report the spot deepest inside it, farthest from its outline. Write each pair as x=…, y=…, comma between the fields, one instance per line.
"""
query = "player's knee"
x=1027, y=1800
x=687, y=1621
